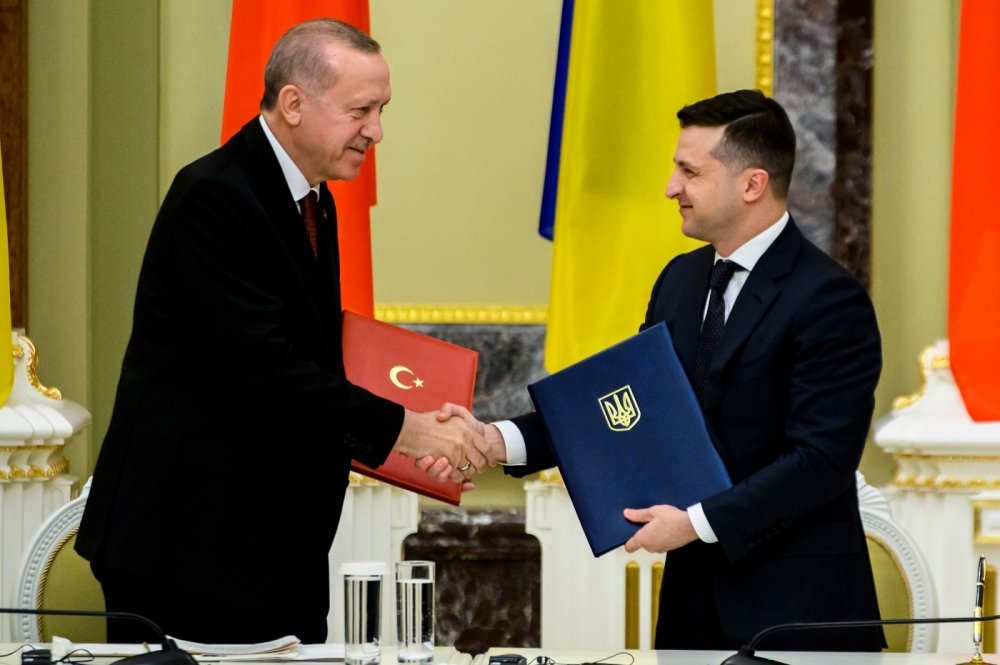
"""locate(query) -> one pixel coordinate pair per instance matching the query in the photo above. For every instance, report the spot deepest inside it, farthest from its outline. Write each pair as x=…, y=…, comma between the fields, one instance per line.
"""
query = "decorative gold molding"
x=47, y=448
x=50, y=471
x=928, y=362
x=765, y=46
x=978, y=536
x=356, y=479
x=914, y=481
x=551, y=476
x=928, y=457
x=455, y=314
x=51, y=393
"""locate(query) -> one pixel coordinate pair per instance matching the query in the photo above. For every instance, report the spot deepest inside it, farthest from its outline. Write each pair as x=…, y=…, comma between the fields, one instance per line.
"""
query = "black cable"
x=545, y=660
x=23, y=646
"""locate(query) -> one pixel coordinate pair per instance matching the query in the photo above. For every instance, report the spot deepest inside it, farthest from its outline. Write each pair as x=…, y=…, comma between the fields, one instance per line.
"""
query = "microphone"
x=745, y=655
x=169, y=654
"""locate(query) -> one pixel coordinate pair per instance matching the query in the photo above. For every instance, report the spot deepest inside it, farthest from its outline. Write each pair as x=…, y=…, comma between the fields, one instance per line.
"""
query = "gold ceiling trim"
x=765, y=46
x=456, y=314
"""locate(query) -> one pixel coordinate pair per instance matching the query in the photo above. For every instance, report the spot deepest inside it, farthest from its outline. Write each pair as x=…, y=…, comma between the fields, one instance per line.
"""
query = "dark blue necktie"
x=715, y=320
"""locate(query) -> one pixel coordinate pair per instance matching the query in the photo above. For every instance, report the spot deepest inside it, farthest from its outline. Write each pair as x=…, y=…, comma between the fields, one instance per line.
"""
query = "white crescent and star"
x=396, y=381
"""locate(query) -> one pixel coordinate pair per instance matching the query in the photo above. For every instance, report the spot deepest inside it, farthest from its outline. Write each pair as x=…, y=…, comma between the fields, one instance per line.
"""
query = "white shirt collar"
x=750, y=252
x=297, y=183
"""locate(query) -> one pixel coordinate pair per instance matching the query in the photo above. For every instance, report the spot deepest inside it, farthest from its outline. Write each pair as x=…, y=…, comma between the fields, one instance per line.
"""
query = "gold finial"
x=51, y=393
x=928, y=362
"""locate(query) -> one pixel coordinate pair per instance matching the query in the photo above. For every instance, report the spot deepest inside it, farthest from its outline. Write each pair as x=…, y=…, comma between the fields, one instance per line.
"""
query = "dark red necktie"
x=309, y=218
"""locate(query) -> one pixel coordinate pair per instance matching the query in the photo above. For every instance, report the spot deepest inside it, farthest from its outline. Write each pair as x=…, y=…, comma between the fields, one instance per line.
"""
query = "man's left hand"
x=666, y=528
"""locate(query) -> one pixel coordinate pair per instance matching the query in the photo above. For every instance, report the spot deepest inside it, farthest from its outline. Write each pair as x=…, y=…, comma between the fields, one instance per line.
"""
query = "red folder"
x=418, y=371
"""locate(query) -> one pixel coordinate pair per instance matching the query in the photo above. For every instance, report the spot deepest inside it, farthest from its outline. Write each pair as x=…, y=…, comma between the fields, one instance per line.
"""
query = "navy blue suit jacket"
x=788, y=401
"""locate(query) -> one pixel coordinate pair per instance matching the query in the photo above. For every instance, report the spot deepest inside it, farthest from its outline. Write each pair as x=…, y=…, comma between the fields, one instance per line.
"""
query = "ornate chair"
x=54, y=576
x=902, y=579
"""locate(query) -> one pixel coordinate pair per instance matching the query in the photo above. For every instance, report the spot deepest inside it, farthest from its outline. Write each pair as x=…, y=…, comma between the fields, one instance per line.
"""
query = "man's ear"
x=289, y=104
x=756, y=184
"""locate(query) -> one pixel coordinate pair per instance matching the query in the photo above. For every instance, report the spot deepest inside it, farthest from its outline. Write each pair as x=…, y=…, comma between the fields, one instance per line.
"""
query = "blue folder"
x=628, y=432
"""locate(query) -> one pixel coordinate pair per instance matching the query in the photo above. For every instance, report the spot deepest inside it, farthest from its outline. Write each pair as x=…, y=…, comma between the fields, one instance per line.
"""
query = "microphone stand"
x=746, y=654
x=169, y=654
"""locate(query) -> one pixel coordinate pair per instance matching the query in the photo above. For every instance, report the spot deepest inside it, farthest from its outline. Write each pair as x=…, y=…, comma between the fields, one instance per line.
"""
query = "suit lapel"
x=319, y=277
x=756, y=297
x=268, y=183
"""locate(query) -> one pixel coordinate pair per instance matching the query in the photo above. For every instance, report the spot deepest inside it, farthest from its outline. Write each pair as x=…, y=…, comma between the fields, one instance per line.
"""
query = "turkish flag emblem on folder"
x=415, y=370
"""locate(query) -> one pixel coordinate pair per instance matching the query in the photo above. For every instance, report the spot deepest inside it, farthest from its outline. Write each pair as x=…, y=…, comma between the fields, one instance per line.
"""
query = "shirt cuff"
x=700, y=523
x=513, y=440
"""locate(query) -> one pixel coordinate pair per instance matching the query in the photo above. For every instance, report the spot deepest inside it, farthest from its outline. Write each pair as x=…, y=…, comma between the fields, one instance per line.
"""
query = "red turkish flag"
x=974, y=279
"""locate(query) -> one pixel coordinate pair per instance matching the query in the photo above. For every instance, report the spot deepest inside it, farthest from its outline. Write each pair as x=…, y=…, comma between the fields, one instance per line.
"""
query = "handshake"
x=450, y=444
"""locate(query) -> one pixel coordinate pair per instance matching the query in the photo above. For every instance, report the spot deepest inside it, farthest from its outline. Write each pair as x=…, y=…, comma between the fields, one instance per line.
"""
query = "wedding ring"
x=465, y=467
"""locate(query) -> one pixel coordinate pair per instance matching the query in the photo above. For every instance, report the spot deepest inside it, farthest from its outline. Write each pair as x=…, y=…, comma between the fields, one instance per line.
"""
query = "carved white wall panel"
x=583, y=597
x=35, y=423
x=947, y=468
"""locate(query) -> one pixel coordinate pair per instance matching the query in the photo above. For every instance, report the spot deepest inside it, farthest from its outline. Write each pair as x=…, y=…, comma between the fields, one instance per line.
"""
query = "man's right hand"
x=452, y=440
x=495, y=449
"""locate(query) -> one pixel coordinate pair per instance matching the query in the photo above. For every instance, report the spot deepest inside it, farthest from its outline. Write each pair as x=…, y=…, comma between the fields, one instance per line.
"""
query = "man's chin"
x=347, y=173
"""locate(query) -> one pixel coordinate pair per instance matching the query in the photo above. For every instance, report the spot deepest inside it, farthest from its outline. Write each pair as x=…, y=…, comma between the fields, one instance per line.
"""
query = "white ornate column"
x=583, y=597
x=375, y=519
x=35, y=424
x=946, y=488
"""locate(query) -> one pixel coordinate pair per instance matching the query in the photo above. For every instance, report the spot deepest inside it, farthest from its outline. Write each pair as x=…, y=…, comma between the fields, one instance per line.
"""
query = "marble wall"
x=487, y=575
x=822, y=76
x=510, y=357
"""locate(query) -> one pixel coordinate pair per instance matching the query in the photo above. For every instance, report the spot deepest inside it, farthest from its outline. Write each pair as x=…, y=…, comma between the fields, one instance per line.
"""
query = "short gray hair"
x=298, y=57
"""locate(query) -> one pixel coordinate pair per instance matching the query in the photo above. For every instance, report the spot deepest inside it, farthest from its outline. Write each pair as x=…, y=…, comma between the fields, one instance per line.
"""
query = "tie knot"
x=722, y=272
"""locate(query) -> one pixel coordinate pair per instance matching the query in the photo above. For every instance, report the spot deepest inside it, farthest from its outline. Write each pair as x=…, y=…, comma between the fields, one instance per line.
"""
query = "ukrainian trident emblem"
x=620, y=409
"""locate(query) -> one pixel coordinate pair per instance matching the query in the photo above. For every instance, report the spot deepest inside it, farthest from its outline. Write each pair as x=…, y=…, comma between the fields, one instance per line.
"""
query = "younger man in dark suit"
x=787, y=388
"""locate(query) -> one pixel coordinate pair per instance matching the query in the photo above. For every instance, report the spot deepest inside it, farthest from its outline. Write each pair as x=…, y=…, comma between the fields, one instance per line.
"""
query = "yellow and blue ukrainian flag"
x=624, y=69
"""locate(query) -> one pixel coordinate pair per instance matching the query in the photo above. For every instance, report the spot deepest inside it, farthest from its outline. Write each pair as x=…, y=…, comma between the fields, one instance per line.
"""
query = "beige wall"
x=915, y=46
x=58, y=208
x=138, y=84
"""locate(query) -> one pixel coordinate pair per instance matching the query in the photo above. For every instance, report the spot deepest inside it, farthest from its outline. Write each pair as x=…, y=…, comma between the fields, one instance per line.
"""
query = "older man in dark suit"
x=782, y=347
x=220, y=483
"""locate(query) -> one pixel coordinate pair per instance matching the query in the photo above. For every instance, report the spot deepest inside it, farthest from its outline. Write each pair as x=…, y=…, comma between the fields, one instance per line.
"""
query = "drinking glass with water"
x=362, y=611
x=415, y=610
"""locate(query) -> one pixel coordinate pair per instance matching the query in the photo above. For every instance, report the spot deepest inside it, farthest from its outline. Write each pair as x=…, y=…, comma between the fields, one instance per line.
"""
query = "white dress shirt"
x=297, y=182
